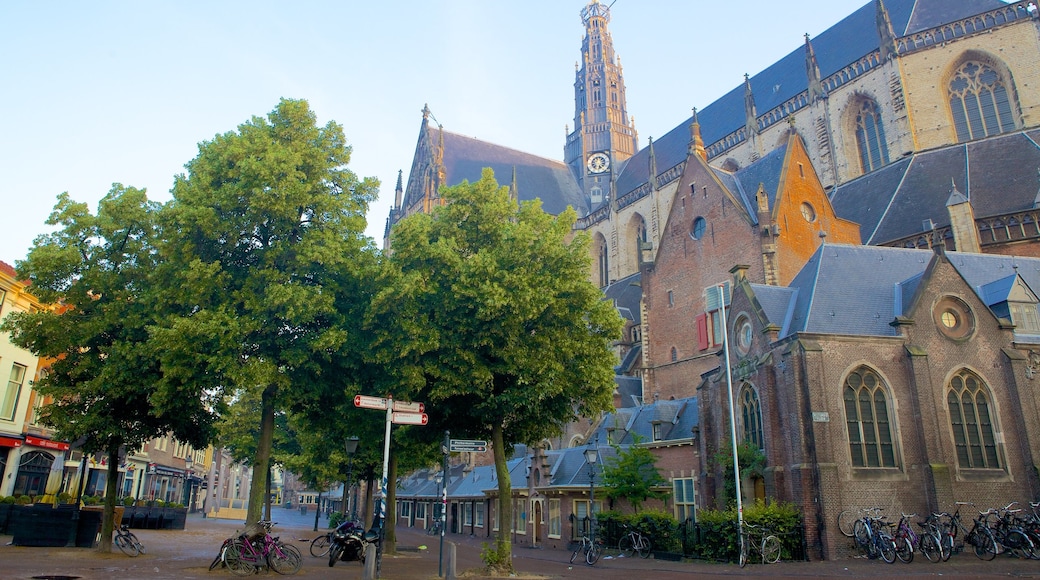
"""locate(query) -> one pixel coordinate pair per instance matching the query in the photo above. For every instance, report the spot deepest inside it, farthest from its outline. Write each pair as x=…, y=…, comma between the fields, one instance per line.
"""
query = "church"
x=890, y=167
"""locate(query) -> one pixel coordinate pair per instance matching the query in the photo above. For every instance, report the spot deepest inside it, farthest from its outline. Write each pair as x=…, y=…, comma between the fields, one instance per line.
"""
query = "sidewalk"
x=186, y=554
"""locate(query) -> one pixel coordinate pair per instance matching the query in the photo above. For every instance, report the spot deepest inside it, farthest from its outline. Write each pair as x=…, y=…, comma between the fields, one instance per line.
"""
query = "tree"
x=264, y=244
x=106, y=377
x=632, y=474
x=494, y=324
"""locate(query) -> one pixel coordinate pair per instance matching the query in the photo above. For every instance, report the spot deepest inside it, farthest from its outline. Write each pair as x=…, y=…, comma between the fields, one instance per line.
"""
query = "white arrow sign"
x=409, y=407
x=366, y=402
x=410, y=418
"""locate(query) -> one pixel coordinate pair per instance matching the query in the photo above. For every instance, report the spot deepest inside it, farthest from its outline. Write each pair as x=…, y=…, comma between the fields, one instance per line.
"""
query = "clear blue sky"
x=97, y=92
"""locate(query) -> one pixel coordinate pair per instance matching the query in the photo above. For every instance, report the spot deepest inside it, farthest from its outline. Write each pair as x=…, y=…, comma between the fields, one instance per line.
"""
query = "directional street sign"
x=366, y=402
x=468, y=445
x=410, y=418
x=408, y=407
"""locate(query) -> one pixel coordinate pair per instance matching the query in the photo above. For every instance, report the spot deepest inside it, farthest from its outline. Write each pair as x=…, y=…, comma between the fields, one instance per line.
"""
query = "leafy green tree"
x=632, y=474
x=486, y=313
x=105, y=377
x=263, y=246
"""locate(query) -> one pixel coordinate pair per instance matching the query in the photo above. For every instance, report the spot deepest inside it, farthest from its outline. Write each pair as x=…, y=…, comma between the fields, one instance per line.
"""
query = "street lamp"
x=188, y=487
x=352, y=444
x=591, y=455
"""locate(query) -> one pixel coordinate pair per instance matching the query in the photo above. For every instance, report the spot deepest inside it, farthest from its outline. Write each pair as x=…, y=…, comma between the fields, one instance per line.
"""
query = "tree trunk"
x=505, y=499
x=258, y=483
x=111, y=493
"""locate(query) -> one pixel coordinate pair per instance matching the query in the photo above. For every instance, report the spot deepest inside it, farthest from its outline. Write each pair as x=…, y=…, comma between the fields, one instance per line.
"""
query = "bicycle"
x=592, y=550
x=245, y=555
x=907, y=541
x=435, y=528
x=980, y=537
x=128, y=542
x=768, y=546
x=1010, y=534
x=320, y=545
x=872, y=537
x=634, y=542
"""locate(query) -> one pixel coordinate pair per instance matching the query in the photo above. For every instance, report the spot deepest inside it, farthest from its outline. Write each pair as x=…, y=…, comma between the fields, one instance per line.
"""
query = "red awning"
x=10, y=442
x=46, y=443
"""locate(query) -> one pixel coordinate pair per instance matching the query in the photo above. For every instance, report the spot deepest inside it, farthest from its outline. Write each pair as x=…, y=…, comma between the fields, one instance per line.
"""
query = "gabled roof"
x=536, y=177
x=627, y=295
x=832, y=296
x=629, y=425
x=998, y=176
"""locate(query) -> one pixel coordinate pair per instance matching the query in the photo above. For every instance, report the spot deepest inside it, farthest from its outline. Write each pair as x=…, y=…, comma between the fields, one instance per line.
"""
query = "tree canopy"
x=493, y=322
x=263, y=246
x=631, y=474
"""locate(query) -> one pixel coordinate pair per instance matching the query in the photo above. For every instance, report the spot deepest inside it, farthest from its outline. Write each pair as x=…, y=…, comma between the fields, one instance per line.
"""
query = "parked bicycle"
x=764, y=542
x=592, y=550
x=980, y=537
x=872, y=536
x=1009, y=533
x=634, y=542
x=435, y=528
x=907, y=541
x=320, y=545
x=247, y=554
x=128, y=542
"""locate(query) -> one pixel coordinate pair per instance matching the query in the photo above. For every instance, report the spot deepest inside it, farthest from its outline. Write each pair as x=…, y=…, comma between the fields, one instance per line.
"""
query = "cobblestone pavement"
x=186, y=554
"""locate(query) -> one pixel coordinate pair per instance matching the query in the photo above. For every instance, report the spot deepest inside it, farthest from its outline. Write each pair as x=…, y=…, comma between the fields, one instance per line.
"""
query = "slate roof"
x=830, y=295
x=632, y=424
x=840, y=45
x=627, y=294
x=998, y=176
x=536, y=177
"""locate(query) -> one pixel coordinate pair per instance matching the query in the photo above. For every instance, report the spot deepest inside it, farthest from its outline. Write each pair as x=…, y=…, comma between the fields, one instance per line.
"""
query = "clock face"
x=598, y=163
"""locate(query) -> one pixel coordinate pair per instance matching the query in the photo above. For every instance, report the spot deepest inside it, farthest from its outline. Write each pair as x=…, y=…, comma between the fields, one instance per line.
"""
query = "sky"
x=107, y=91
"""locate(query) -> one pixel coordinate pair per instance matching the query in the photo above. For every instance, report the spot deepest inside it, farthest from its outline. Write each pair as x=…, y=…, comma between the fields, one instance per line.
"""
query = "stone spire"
x=962, y=222
x=696, y=142
x=751, y=117
x=812, y=72
x=885, y=32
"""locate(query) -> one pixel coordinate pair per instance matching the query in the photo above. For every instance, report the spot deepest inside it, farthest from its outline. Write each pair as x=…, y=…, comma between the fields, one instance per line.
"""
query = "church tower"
x=603, y=137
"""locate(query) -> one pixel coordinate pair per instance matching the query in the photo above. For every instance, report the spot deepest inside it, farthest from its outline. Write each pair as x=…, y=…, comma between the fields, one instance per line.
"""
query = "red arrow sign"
x=409, y=407
x=409, y=418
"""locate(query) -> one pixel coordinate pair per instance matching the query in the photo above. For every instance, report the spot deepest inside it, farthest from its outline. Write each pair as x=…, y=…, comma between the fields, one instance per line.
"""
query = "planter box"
x=174, y=518
x=43, y=525
x=5, y=514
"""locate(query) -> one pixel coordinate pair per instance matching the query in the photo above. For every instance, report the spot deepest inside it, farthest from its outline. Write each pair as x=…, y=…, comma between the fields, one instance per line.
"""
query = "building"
x=909, y=123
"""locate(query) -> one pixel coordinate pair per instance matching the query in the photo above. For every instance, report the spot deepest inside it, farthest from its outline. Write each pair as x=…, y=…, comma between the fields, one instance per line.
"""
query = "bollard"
x=370, y=562
x=449, y=573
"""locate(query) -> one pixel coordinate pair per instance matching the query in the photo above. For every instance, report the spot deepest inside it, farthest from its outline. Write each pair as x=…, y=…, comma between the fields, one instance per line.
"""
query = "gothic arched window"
x=870, y=136
x=751, y=413
x=602, y=261
x=972, y=423
x=981, y=102
x=867, y=417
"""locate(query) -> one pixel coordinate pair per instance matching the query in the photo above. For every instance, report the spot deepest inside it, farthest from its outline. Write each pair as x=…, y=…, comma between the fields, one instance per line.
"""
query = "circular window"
x=697, y=230
x=744, y=333
x=808, y=212
x=953, y=317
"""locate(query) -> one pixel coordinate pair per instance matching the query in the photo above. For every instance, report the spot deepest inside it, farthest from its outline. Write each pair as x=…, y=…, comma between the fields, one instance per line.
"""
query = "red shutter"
x=702, y=331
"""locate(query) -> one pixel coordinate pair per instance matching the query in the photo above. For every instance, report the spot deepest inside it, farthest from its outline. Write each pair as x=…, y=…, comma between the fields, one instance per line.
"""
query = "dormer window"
x=1025, y=318
x=658, y=430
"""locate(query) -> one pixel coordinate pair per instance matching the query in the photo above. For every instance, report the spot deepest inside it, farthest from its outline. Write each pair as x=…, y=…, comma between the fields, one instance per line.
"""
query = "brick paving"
x=186, y=554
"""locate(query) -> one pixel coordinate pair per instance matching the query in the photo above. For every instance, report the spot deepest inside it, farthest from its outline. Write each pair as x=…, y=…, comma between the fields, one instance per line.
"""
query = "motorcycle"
x=349, y=541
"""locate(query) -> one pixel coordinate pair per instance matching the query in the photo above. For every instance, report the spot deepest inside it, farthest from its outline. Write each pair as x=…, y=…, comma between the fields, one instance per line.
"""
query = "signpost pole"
x=382, y=487
x=444, y=499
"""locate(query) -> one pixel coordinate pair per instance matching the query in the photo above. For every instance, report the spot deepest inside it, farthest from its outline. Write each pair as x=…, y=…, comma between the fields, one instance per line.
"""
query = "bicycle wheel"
x=285, y=559
x=219, y=560
x=985, y=545
x=946, y=546
x=744, y=547
x=625, y=546
x=577, y=550
x=644, y=547
x=886, y=546
x=846, y=522
x=930, y=546
x=334, y=553
x=904, y=549
x=320, y=545
x=592, y=556
x=770, y=550
x=861, y=533
x=125, y=545
x=237, y=560
x=140, y=546
x=1019, y=544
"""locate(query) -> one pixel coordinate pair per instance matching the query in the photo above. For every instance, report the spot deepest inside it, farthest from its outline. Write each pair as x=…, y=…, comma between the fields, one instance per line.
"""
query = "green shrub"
x=7, y=500
x=336, y=518
x=718, y=529
x=660, y=527
x=64, y=497
x=495, y=561
x=22, y=500
x=91, y=500
x=128, y=501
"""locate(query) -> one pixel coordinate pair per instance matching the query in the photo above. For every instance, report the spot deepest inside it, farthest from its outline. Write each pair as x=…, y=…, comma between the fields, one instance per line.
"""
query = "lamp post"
x=591, y=455
x=189, y=463
x=352, y=444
